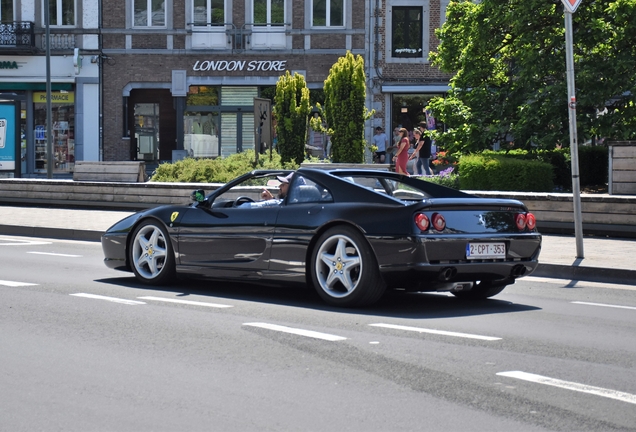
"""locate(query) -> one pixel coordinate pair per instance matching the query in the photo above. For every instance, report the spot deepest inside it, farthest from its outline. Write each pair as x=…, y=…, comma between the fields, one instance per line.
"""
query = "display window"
x=63, y=133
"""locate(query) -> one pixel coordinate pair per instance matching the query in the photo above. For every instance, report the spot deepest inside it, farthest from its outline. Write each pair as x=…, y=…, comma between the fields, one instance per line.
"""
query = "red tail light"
x=439, y=223
x=520, y=220
x=422, y=222
x=531, y=221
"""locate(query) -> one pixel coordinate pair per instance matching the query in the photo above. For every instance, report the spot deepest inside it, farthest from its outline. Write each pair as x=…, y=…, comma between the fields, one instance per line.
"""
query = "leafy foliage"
x=220, y=170
x=494, y=172
x=344, y=109
x=510, y=83
x=290, y=111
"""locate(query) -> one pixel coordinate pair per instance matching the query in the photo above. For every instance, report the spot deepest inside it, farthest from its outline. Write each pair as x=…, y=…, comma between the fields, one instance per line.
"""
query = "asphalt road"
x=86, y=348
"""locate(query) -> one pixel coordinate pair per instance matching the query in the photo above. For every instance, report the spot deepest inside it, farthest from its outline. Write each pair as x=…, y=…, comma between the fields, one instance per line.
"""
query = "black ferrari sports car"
x=349, y=233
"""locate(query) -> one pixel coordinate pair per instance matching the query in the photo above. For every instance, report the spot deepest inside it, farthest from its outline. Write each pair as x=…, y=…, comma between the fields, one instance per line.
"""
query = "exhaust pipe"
x=518, y=270
x=447, y=274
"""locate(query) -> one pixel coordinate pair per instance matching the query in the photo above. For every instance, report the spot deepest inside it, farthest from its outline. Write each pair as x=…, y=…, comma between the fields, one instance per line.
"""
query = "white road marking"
x=188, y=302
x=568, y=283
x=15, y=284
x=604, y=305
x=583, y=388
x=438, y=332
x=111, y=299
x=9, y=241
x=300, y=332
x=56, y=254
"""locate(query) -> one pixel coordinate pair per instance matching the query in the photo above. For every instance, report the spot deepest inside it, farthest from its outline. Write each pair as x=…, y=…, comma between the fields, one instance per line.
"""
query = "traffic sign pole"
x=570, y=6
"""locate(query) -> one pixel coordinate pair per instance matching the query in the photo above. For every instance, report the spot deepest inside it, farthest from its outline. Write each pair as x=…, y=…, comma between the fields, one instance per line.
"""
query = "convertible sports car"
x=350, y=234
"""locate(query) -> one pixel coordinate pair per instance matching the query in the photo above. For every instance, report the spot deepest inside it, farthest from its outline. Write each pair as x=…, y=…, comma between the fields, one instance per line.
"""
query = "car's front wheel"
x=151, y=255
x=344, y=270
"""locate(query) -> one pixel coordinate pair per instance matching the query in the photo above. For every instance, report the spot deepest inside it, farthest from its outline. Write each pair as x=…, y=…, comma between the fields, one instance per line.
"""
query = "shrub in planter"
x=492, y=172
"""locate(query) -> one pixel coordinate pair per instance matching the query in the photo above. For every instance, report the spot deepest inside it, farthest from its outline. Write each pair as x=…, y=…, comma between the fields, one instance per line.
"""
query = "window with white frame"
x=327, y=13
x=61, y=12
x=149, y=13
x=269, y=12
x=208, y=12
x=6, y=10
x=406, y=32
x=443, y=5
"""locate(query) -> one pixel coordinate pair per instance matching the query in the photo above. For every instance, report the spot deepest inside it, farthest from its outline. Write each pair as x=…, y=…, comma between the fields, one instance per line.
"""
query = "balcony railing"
x=60, y=41
x=17, y=34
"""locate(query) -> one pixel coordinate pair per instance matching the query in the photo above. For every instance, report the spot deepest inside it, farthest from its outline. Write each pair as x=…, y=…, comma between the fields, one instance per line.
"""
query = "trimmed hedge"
x=494, y=172
x=219, y=170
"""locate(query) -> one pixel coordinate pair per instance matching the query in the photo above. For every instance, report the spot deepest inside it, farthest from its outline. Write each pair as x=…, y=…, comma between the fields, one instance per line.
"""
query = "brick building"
x=141, y=79
x=401, y=80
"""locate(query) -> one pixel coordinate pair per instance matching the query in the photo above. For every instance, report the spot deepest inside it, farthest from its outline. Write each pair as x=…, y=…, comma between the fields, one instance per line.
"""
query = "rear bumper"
x=430, y=262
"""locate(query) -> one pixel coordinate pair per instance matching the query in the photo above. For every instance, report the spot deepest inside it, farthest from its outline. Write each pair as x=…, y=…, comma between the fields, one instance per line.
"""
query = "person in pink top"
x=402, y=153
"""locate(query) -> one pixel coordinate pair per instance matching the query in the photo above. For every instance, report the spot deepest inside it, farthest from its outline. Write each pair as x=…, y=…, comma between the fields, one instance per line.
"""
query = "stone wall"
x=601, y=214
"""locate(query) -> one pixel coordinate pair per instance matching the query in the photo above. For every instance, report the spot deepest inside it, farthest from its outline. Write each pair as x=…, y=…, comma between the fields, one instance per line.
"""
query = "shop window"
x=327, y=13
x=149, y=13
x=407, y=32
x=6, y=10
x=409, y=111
x=269, y=24
x=61, y=12
x=208, y=19
x=63, y=122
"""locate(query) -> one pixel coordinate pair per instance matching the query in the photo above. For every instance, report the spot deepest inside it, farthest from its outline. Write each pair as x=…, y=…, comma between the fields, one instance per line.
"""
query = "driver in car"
x=269, y=199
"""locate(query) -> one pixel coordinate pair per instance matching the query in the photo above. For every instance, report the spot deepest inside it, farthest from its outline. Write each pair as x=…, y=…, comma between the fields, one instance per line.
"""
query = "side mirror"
x=198, y=195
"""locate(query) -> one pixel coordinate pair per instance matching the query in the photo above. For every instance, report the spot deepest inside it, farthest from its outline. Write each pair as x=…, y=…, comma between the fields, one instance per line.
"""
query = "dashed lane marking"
x=437, y=332
x=111, y=299
x=300, y=332
x=10, y=241
x=583, y=388
x=604, y=305
x=187, y=302
x=15, y=284
x=56, y=254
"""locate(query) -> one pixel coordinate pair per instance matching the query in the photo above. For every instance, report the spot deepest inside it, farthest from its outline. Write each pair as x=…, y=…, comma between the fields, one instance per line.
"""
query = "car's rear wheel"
x=151, y=255
x=344, y=270
x=481, y=290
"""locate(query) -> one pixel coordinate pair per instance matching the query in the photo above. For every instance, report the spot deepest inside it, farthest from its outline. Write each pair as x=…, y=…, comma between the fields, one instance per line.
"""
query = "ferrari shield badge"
x=174, y=216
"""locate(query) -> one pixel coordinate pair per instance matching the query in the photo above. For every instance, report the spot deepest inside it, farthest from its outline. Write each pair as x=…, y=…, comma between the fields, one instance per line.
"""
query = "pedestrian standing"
x=422, y=152
x=380, y=141
x=402, y=155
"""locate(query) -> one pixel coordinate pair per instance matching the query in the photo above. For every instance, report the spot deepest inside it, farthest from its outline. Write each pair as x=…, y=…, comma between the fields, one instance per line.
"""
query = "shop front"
x=74, y=112
x=207, y=110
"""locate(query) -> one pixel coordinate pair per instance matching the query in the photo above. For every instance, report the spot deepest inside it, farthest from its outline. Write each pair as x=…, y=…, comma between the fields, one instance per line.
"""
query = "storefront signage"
x=8, y=138
x=8, y=65
x=56, y=97
x=240, y=65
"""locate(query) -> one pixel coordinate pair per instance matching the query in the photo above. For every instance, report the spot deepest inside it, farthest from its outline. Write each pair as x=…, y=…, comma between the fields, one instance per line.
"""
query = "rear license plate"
x=485, y=250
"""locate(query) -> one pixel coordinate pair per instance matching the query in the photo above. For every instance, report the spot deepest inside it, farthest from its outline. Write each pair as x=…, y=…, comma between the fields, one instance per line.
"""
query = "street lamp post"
x=49, y=129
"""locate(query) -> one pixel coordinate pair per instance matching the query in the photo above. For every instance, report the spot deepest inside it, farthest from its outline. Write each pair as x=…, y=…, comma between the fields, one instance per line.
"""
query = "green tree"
x=291, y=111
x=510, y=79
x=344, y=109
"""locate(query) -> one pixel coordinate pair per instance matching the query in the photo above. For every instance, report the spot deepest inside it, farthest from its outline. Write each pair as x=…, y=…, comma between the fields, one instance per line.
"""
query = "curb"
x=590, y=274
x=54, y=233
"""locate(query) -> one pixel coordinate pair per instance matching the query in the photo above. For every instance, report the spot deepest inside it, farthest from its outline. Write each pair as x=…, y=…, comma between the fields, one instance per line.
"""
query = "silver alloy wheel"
x=149, y=251
x=338, y=266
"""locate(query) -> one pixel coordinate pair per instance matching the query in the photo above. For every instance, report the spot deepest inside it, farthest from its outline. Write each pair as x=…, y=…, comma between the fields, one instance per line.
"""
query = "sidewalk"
x=608, y=260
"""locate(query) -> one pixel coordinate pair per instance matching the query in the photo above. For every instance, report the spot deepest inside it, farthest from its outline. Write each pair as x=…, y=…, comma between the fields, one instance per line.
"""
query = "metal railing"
x=17, y=34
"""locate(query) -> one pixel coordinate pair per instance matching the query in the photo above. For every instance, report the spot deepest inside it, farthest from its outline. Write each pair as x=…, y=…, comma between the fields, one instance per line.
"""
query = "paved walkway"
x=606, y=259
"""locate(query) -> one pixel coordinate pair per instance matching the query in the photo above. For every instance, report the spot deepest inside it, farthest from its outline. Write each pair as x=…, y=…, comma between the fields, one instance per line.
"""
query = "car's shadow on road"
x=393, y=304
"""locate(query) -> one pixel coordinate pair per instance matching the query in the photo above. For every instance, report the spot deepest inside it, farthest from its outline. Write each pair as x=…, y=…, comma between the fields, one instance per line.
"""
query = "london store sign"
x=240, y=65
